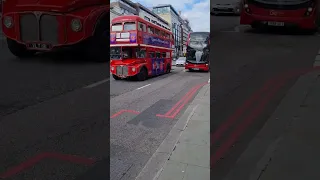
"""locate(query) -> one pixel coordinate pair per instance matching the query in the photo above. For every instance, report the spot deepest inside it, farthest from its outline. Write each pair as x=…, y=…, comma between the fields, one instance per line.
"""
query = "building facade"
x=186, y=29
x=179, y=26
x=122, y=7
x=127, y=7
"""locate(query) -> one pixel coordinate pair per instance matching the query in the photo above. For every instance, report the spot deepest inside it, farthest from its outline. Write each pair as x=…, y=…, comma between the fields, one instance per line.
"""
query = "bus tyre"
x=115, y=77
x=99, y=42
x=142, y=75
x=18, y=49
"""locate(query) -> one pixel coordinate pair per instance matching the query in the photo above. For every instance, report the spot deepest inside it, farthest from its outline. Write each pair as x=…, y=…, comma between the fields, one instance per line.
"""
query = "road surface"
x=243, y=62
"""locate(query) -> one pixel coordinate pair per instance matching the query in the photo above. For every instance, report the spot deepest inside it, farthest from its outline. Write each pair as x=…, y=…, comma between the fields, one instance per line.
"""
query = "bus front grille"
x=122, y=70
x=44, y=29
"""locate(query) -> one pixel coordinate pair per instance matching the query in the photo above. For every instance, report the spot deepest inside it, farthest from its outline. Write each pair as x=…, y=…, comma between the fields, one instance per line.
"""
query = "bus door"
x=157, y=64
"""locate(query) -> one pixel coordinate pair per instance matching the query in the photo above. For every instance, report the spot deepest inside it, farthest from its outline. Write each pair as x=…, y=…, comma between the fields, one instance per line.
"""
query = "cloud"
x=196, y=11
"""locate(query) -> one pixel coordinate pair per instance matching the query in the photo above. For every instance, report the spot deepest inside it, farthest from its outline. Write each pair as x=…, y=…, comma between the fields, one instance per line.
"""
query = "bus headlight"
x=76, y=25
x=246, y=5
x=112, y=68
x=8, y=22
x=133, y=69
x=310, y=9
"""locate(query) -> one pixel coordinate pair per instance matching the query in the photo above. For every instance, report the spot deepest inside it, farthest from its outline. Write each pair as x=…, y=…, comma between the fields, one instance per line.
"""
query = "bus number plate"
x=196, y=69
x=272, y=23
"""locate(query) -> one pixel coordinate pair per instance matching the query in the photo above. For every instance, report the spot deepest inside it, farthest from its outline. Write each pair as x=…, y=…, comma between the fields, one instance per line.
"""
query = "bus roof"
x=136, y=18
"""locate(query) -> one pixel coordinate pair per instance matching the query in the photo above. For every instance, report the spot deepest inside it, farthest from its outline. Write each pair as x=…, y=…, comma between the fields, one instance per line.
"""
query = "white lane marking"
x=143, y=86
x=97, y=83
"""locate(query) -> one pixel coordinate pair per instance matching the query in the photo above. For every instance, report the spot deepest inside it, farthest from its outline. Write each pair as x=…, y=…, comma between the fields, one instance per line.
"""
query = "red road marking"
x=123, y=111
x=242, y=127
x=257, y=111
x=36, y=159
x=231, y=120
x=181, y=103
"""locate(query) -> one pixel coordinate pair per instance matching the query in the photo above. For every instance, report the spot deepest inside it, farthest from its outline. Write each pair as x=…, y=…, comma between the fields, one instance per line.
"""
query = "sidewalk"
x=288, y=145
x=185, y=153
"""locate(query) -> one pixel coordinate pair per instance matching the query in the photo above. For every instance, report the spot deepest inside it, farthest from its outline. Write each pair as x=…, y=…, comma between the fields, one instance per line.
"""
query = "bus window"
x=162, y=34
x=158, y=55
x=151, y=55
x=168, y=54
x=164, y=55
x=157, y=32
x=140, y=53
x=127, y=53
x=167, y=36
x=129, y=26
x=150, y=30
x=116, y=27
x=142, y=27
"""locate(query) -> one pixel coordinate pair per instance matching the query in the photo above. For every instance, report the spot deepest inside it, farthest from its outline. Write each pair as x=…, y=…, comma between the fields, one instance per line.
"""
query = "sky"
x=196, y=11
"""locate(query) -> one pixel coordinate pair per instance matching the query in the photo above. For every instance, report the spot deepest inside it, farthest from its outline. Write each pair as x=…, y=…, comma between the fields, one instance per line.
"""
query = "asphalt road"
x=243, y=61
x=54, y=117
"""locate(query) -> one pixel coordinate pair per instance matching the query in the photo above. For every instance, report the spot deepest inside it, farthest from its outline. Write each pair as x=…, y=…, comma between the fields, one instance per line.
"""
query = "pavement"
x=286, y=147
x=185, y=152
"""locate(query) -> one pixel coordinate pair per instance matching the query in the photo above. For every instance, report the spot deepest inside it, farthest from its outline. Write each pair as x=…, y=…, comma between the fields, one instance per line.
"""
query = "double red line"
x=174, y=111
x=267, y=92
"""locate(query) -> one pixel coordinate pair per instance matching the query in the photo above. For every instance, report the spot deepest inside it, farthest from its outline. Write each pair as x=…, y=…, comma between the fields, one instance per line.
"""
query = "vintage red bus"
x=44, y=25
x=198, y=50
x=139, y=49
x=303, y=14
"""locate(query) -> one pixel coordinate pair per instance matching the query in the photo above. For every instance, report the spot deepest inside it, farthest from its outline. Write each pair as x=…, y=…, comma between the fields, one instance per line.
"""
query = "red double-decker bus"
x=303, y=14
x=139, y=49
x=32, y=26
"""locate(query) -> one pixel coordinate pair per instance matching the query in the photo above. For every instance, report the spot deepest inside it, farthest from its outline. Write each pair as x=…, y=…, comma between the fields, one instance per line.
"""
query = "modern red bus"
x=303, y=14
x=32, y=26
x=139, y=49
x=198, y=50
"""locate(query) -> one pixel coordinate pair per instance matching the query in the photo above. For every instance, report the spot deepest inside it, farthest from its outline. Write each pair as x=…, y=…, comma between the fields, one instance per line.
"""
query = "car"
x=181, y=61
x=231, y=8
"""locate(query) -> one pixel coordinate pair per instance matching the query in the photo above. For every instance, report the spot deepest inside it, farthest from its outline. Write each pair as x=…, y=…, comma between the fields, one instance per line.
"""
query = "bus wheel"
x=142, y=75
x=19, y=50
x=115, y=77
